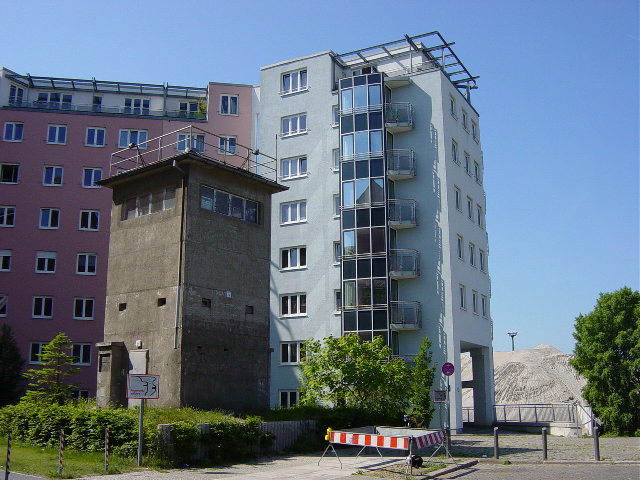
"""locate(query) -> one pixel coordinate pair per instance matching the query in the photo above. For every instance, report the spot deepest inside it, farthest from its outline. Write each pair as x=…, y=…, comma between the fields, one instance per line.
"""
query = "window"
x=135, y=137
x=479, y=215
x=294, y=82
x=45, y=262
x=229, y=205
x=52, y=176
x=54, y=100
x=90, y=176
x=335, y=116
x=42, y=307
x=5, y=260
x=7, y=216
x=467, y=163
x=483, y=261
x=96, y=104
x=86, y=264
x=474, y=130
x=474, y=302
x=289, y=398
x=35, y=350
x=186, y=140
x=13, y=131
x=452, y=107
x=83, y=308
x=294, y=124
x=338, y=300
x=89, y=220
x=293, y=212
x=227, y=146
x=49, y=218
x=294, y=167
x=472, y=254
x=454, y=151
x=336, y=159
x=460, y=245
x=470, y=208
x=293, y=304
x=188, y=109
x=337, y=252
x=4, y=300
x=156, y=201
x=57, y=134
x=95, y=137
x=465, y=120
x=476, y=172
x=228, y=105
x=458, y=198
x=462, y=292
x=16, y=94
x=336, y=205
x=293, y=257
x=136, y=106
x=291, y=353
x=484, y=303
x=9, y=173
x=81, y=353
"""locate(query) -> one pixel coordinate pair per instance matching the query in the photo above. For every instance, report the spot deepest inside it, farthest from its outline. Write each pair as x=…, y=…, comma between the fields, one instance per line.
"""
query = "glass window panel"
x=363, y=241
x=348, y=219
x=303, y=78
x=350, y=319
x=303, y=256
x=364, y=292
x=376, y=140
x=285, y=168
x=375, y=120
x=347, y=171
x=285, y=305
x=364, y=320
x=347, y=194
x=377, y=240
x=362, y=217
x=284, y=213
x=251, y=211
x=379, y=291
x=384, y=335
x=284, y=261
x=362, y=169
x=346, y=124
x=347, y=145
x=364, y=268
x=345, y=82
x=222, y=203
x=374, y=78
x=346, y=99
x=144, y=204
x=365, y=336
x=361, y=142
x=375, y=94
x=286, y=82
x=349, y=242
x=379, y=319
x=349, y=294
x=378, y=267
x=377, y=216
x=377, y=190
x=362, y=191
x=237, y=207
x=360, y=96
x=303, y=210
x=361, y=122
x=303, y=166
x=377, y=167
x=349, y=269
x=303, y=122
x=360, y=80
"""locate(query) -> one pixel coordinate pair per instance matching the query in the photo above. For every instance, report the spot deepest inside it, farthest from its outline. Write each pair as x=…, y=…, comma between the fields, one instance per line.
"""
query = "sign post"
x=142, y=386
x=447, y=369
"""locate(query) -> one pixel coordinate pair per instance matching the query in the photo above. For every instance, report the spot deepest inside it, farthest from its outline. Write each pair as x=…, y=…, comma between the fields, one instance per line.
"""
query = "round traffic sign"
x=448, y=368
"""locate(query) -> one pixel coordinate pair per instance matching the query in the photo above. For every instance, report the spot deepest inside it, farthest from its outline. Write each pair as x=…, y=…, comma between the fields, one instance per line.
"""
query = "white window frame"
x=336, y=159
x=38, y=351
x=15, y=170
x=474, y=131
x=452, y=107
x=482, y=260
x=462, y=296
x=4, y=303
x=470, y=208
x=229, y=109
x=467, y=163
x=484, y=304
x=227, y=145
x=50, y=224
x=44, y=300
x=86, y=220
x=143, y=107
x=300, y=312
x=335, y=116
x=297, y=251
x=477, y=173
x=5, y=260
x=94, y=140
x=474, y=302
x=7, y=212
x=48, y=262
x=289, y=394
x=479, y=215
x=292, y=351
x=301, y=79
x=93, y=171
x=64, y=100
x=85, y=303
x=337, y=253
x=465, y=120
x=454, y=151
x=54, y=169
x=299, y=207
x=337, y=300
x=288, y=165
x=60, y=131
x=458, y=197
x=13, y=137
x=289, y=131
x=472, y=254
x=16, y=95
x=336, y=205
x=195, y=141
x=460, y=247
x=131, y=132
x=87, y=264
x=79, y=352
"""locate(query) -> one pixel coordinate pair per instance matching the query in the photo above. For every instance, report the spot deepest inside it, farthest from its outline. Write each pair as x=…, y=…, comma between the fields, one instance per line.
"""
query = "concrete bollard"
x=496, y=447
x=448, y=434
x=544, y=443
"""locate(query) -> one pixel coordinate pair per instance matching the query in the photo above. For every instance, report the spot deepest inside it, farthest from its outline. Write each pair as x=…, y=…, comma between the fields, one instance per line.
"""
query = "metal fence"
x=535, y=412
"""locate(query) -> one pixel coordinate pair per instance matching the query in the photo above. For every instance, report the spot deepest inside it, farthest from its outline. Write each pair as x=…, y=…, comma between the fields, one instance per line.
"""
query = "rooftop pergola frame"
x=432, y=47
x=104, y=86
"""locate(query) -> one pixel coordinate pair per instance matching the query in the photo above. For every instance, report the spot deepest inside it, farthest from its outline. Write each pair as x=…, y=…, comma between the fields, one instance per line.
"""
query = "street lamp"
x=512, y=335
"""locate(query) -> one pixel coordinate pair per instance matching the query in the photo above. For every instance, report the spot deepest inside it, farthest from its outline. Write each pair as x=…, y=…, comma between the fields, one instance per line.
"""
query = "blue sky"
x=558, y=100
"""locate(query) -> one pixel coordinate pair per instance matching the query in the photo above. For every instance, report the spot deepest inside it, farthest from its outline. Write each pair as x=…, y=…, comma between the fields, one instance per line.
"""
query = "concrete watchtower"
x=188, y=284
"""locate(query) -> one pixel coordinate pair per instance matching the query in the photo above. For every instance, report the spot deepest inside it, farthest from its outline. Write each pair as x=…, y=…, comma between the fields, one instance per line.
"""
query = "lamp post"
x=512, y=335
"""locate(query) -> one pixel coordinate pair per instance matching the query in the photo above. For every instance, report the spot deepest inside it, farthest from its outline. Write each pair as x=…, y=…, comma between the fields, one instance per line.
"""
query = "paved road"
x=19, y=476
x=486, y=471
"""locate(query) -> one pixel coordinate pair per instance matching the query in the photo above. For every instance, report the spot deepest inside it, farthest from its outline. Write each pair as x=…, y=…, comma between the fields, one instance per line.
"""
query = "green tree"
x=347, y=372
x=48, y=384
x=422, y=373
x=11, y=364
x=607, y=354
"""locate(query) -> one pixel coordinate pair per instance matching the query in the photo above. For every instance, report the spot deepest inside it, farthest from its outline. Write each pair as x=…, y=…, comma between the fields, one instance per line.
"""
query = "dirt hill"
x=539, y=375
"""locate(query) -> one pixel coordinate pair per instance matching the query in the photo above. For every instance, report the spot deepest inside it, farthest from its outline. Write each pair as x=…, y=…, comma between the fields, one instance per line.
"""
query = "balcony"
x=404, y=263
x=107, y=110
x=402, y=213
x=401, y=164
x=406, y=316
x=398, y=117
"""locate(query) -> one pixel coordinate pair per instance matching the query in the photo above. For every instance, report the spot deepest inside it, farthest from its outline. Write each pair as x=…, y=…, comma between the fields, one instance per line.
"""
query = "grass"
x=44, y=461
x=397, y=471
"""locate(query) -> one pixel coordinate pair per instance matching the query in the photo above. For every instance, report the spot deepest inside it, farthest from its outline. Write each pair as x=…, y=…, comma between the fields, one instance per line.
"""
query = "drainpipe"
x=176, y=323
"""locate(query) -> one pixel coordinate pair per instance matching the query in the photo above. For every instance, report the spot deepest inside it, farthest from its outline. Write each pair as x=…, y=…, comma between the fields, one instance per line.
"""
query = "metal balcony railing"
x=108, y=110
x=400, y=164
x=404, y=263
x=398, y=116
x=402, y=213
x=535, y=412
x=406, y=315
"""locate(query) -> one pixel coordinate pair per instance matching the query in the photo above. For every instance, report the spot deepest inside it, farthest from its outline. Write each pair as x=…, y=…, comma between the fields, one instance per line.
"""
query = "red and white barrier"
x=369, y=440
x=429, y=439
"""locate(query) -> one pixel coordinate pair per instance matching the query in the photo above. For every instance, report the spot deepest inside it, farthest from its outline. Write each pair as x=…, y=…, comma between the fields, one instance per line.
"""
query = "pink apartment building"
x=57, y=138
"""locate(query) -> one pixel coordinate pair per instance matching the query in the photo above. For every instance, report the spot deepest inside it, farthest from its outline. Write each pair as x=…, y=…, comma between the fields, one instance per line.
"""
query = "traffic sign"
x=439, y=396
x=448, y=368
x=143, y=386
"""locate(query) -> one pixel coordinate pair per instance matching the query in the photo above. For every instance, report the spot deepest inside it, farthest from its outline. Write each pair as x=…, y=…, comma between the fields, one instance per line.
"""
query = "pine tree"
x=11, y=364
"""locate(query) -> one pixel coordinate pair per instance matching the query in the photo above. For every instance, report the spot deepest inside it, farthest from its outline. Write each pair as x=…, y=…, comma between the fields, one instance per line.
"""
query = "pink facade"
x=23, y=188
